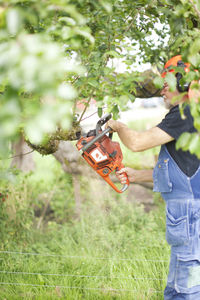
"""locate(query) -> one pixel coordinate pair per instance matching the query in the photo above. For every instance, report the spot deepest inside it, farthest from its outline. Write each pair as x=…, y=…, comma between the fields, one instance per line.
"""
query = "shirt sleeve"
x=175, y=125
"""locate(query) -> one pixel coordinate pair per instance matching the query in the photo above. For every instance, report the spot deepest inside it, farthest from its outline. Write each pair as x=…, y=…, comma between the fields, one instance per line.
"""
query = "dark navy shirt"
x=174, y=125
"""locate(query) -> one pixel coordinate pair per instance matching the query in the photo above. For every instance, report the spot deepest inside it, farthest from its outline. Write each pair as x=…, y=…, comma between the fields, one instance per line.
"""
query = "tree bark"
x=146, y=88
x=72, y=163
x=21, y=160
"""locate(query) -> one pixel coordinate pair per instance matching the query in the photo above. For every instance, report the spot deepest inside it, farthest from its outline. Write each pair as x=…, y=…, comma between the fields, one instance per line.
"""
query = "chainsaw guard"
x=111, y=183
x=124, y=188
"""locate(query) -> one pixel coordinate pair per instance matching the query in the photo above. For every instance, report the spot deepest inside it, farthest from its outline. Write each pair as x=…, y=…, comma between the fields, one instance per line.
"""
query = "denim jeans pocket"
x=161, y=178
x=187, y=277
x=177, y=230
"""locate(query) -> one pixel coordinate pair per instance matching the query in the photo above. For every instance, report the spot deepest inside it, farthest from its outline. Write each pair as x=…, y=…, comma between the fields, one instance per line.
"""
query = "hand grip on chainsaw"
x=110, y=182
x=125, y=186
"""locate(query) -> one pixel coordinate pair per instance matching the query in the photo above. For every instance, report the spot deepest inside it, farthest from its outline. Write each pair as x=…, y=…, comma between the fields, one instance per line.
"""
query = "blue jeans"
x=182, y=198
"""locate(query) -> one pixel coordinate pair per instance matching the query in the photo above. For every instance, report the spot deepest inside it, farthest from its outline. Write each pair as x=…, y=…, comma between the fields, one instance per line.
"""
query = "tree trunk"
x=21, y=160
x=72, y=163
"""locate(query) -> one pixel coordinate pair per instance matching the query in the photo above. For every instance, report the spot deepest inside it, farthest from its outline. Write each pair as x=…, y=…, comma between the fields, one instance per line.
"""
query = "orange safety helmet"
x=176, y=61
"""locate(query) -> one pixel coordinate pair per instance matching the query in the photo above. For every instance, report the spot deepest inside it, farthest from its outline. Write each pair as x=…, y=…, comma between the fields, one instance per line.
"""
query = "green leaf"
x=68, y=21
x=183, y=141
x=100, y=112
x=106, y=5
x=93, y=82
x=115, y=112
x=197, y=121
x=195, y=46
x=194, y=144
x=123, y=99
x=194, y=59
x=71, y=9
x=171, y=80
x=158, y=82
x=85, y=34
x=131, y=97
x=113, y=53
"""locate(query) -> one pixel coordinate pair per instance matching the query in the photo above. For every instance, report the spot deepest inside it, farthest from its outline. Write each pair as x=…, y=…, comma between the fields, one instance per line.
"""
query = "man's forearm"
x=136, y=176
x=145, y=176
x=140, y=141
x=129, y=138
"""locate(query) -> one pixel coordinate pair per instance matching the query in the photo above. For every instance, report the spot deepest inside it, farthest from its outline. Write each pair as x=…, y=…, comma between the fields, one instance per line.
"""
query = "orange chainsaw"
x=101, y=153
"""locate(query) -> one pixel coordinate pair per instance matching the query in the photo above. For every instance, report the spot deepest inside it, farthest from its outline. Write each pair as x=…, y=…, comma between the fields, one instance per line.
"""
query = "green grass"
x=119, y=245
x=114, y=250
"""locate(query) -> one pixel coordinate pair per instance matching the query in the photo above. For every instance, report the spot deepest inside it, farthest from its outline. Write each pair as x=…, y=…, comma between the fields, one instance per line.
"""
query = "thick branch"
x=146, y=88
x=60, y=135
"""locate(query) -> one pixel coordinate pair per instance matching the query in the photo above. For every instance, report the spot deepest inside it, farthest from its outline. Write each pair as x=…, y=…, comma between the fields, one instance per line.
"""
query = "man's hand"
x=115, y=125
x=135, y=175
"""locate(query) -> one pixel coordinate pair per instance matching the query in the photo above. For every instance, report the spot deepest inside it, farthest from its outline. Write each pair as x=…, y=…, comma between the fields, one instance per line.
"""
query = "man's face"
x=168, y=96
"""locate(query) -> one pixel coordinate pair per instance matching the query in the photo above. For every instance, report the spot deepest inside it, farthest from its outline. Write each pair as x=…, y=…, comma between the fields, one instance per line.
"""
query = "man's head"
x=168, y=95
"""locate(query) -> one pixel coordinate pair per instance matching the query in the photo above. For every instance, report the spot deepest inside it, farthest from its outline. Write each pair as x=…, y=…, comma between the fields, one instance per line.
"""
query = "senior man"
x=177, y=177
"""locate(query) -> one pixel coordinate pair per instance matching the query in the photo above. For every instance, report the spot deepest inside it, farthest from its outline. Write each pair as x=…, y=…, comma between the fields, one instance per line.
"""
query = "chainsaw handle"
x=110, y=182
x=124, y=188
x=126, y=185
x=96, y=138
x=102, y=121
x=105, y=174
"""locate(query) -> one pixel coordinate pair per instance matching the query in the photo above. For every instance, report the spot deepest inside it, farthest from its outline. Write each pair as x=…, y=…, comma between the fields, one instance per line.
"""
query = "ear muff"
x=181, y=87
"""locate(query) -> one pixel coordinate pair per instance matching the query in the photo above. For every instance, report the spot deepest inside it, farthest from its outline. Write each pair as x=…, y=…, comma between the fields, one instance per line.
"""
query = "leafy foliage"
x=56, y=53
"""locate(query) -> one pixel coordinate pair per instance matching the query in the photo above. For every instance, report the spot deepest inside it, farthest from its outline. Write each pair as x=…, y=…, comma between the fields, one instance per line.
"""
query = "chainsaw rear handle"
x=126, y=185
x=96, y=138
x=110, y=182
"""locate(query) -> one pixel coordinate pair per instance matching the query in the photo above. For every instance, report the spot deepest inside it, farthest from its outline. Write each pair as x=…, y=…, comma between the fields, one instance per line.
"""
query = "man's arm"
x=136, y=176
x=140, y=141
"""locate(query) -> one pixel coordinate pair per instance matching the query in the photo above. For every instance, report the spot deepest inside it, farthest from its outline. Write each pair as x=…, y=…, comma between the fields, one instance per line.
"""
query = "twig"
x=74, y=108
x=21, y=154
x=129, y=27
x=91, y=115
x=86, y=106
